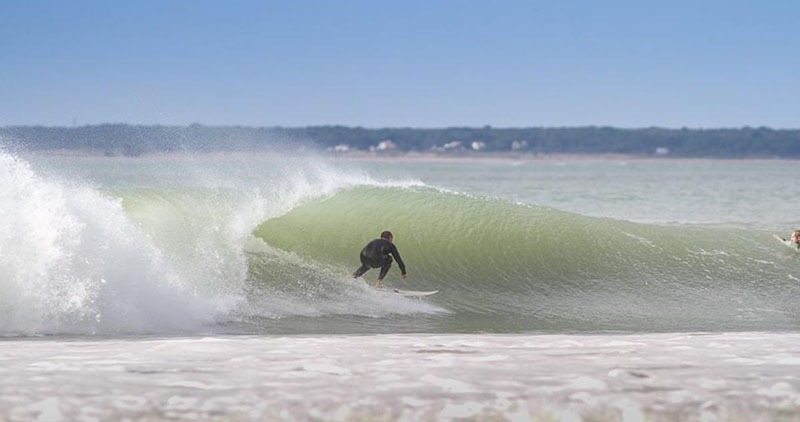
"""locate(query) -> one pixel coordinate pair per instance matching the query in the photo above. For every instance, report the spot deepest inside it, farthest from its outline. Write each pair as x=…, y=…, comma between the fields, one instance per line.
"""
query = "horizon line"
x=484, y=127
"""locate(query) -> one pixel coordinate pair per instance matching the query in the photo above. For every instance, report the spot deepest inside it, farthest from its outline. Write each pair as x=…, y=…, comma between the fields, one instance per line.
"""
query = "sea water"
x=216, y=287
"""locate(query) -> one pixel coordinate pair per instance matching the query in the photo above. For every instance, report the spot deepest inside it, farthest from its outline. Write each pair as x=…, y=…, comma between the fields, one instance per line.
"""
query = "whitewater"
x=217, y=287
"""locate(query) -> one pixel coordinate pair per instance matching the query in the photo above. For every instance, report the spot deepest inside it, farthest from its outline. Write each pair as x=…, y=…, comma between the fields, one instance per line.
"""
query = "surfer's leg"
x=360, y=271
x=366, y=264
x=387, y=263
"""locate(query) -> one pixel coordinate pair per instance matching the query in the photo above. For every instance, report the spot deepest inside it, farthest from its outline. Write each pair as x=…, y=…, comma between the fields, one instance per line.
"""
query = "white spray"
x=71, y=261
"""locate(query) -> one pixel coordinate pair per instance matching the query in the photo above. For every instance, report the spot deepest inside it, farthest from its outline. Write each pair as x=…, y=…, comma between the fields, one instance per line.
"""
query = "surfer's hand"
x=405, y=276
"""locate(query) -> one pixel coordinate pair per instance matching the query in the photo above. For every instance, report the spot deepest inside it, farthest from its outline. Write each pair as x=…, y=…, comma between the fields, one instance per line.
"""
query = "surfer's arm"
x=787, y=242
x=399, y=260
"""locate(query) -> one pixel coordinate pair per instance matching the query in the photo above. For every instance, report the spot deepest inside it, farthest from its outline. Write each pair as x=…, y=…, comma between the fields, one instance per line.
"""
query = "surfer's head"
x=796, y=236
x=387, y=235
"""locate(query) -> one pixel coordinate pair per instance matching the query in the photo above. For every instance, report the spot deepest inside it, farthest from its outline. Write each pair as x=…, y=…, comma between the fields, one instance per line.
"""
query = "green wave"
x=494, y=257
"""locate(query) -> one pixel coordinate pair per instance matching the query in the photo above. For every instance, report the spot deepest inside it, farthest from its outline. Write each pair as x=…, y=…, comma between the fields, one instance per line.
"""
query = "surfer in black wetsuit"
x=378, y=254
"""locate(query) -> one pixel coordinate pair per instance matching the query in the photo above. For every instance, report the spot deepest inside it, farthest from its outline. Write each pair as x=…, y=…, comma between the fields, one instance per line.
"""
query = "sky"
x=410, y=63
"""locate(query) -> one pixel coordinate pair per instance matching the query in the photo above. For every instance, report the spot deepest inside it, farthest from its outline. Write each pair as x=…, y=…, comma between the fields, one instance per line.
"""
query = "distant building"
x=662, y=151
x=453, y=146
x=478, y=145
x=386, y=145
x=519, y=145
x=341, y=148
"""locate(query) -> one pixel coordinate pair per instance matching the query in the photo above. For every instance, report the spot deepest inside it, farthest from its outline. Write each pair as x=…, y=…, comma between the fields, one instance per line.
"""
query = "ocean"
x=217, y=287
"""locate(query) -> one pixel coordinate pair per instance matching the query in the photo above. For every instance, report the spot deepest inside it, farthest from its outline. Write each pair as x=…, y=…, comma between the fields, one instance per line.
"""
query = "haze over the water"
x=394, y=64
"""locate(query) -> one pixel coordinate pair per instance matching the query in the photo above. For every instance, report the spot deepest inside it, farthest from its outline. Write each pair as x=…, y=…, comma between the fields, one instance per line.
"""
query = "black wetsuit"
x=378, y=254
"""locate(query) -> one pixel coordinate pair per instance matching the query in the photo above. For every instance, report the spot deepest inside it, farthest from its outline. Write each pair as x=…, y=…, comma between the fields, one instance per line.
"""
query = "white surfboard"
x=786, y=242
x=414, y=292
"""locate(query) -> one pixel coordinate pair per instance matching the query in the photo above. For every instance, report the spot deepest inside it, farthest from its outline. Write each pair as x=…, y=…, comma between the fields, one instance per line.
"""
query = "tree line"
x=133, y=140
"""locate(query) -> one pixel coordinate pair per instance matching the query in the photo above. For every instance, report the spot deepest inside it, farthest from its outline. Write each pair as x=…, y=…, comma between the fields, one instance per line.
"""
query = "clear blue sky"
x=376, y=63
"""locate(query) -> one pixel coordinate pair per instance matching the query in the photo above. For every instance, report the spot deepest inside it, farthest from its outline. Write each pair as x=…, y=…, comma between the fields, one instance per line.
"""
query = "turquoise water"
x=262, y=244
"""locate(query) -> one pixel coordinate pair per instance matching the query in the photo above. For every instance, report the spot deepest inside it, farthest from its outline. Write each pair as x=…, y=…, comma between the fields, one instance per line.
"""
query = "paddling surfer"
x=378, y=254
x=794, y=240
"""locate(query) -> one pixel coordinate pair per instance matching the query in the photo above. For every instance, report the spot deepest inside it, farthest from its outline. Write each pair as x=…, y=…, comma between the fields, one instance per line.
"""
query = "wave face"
x=508, y=266
x=176, y=245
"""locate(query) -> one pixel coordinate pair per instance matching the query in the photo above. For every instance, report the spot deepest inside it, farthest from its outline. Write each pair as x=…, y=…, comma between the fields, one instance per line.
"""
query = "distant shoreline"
x=446, y=143
x=415, y=156
x=426, y=157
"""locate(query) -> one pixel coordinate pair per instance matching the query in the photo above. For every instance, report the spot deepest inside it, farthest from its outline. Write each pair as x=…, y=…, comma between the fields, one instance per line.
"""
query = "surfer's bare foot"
x=379, y=283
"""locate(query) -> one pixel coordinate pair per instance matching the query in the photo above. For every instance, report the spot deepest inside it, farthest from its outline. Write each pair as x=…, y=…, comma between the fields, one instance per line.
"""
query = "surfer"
x=378, y=254
x=794, y=241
